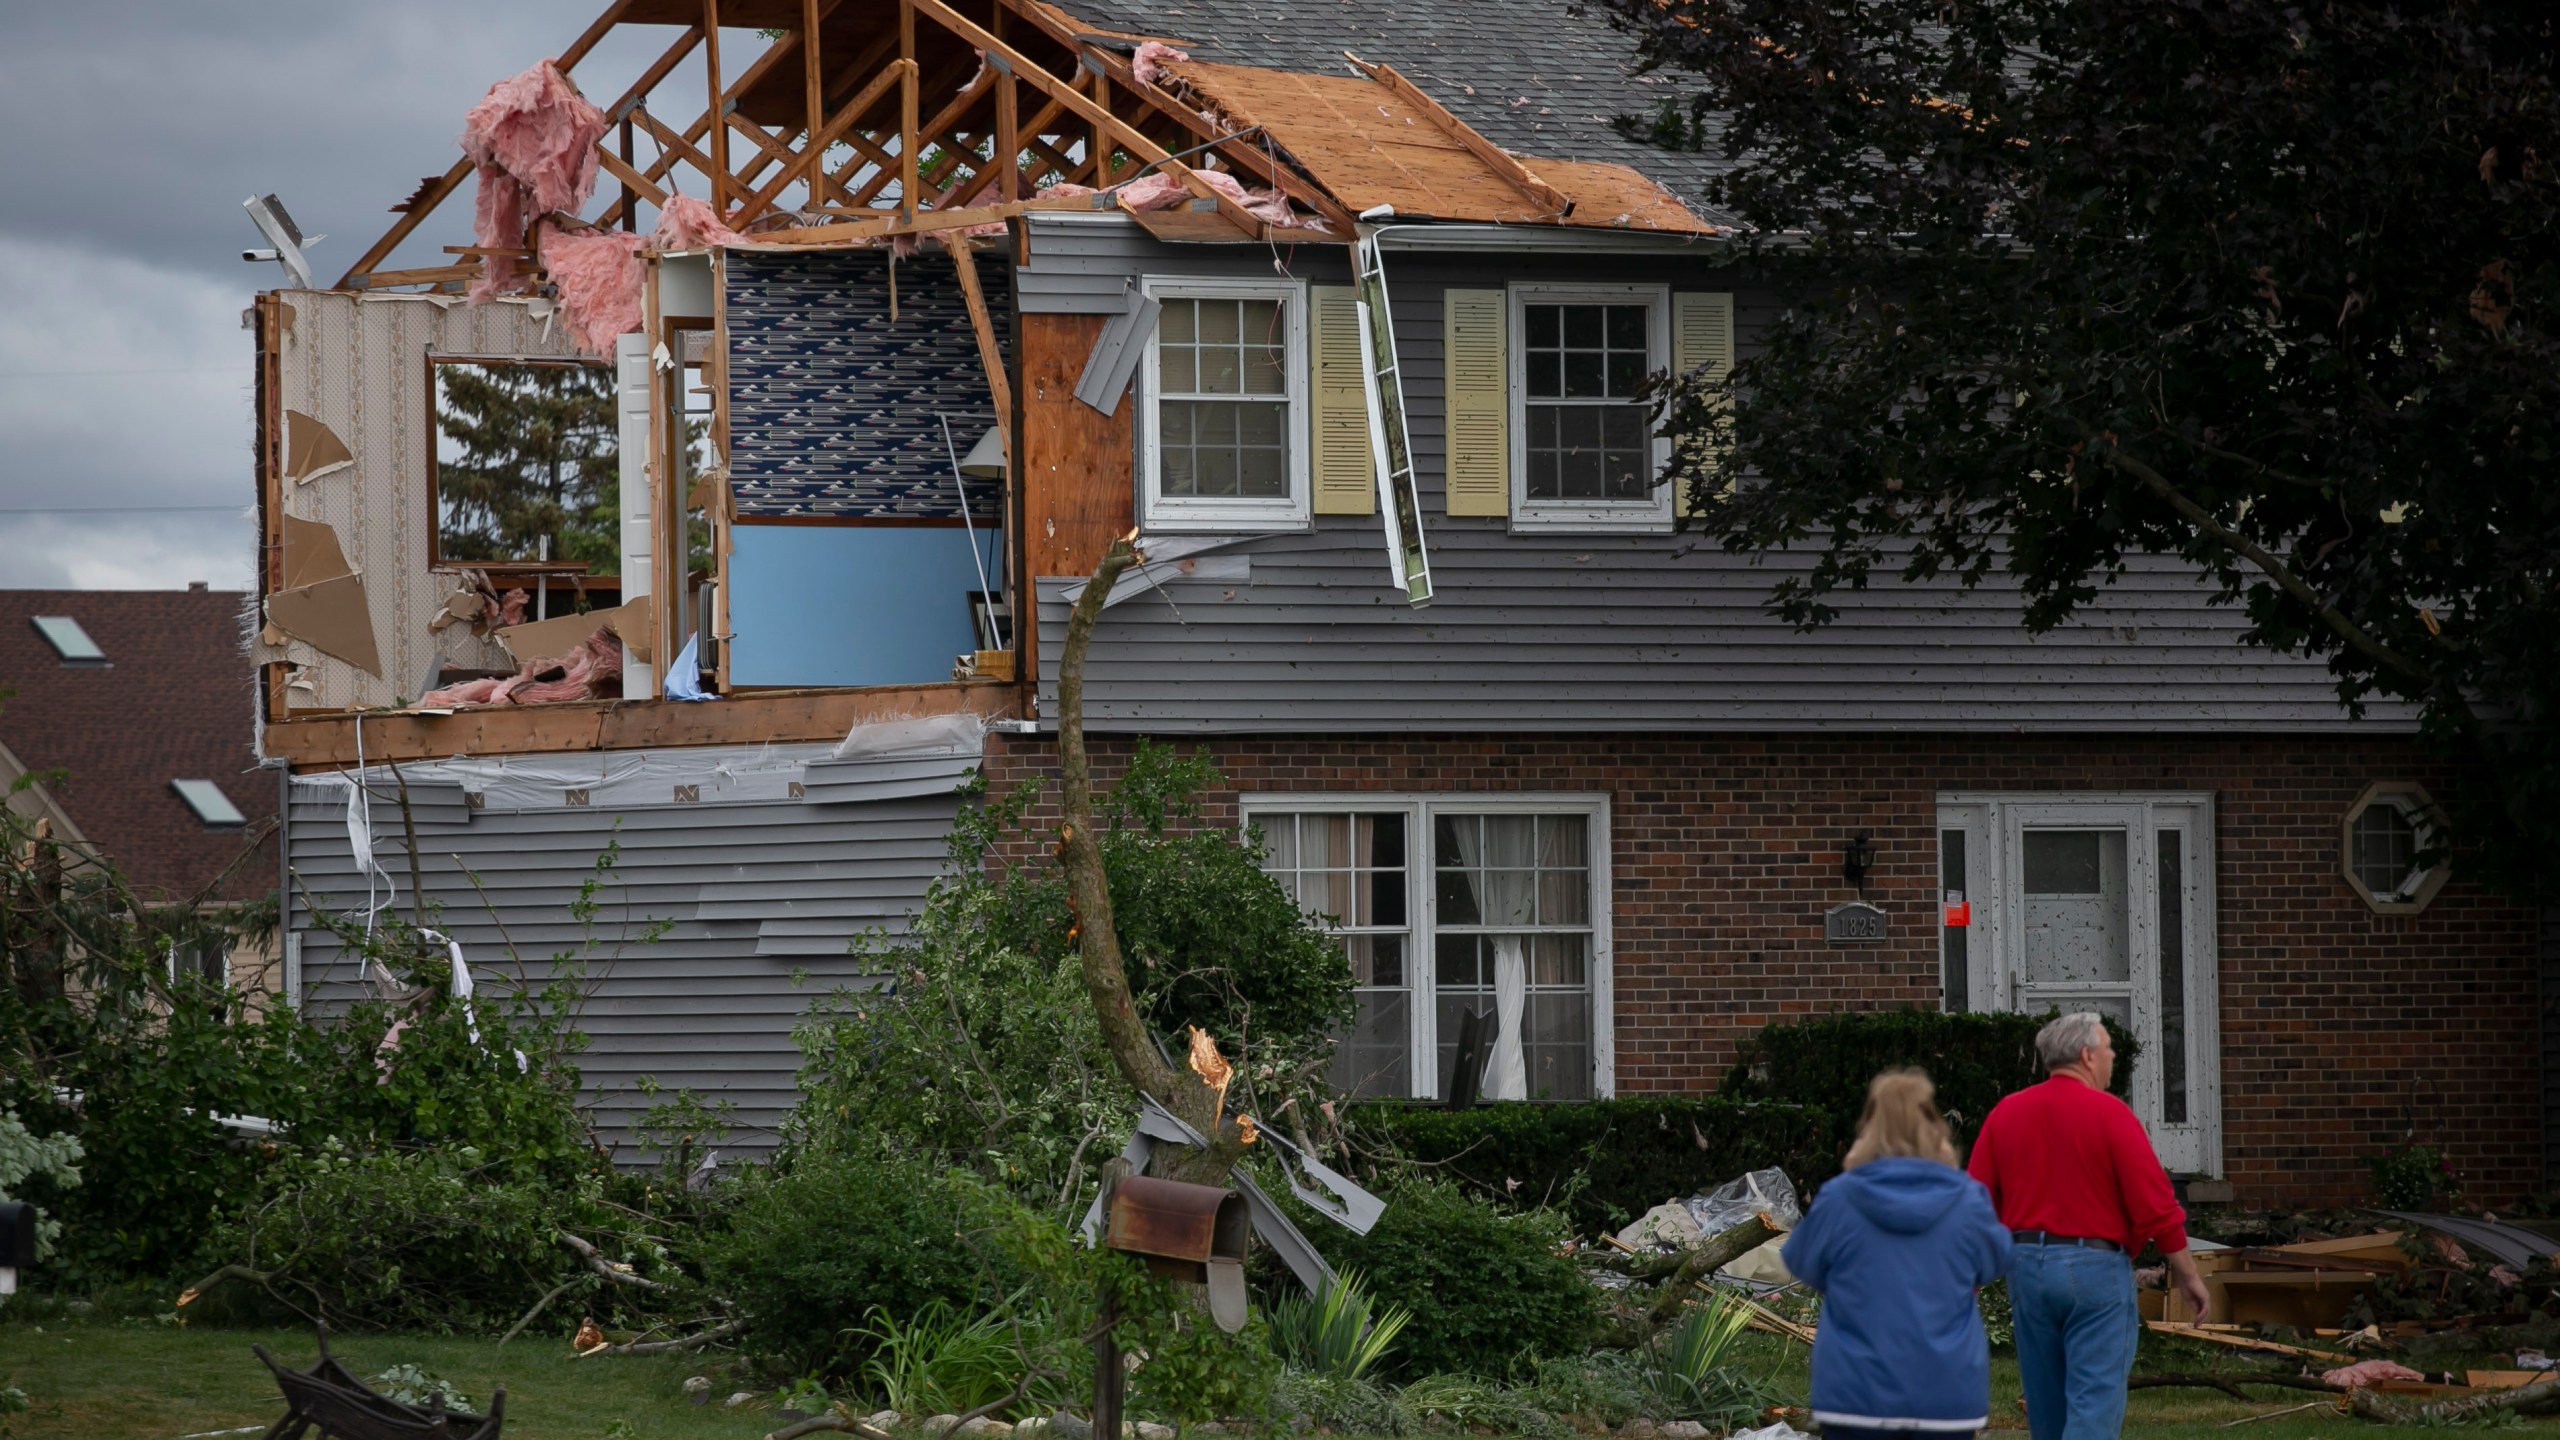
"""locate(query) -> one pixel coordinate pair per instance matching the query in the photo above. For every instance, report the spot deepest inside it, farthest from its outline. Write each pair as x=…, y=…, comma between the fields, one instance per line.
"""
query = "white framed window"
x=2070, y=901
x=1223, y=406
x=1447, y=905
x=2385, y=831
x=1585, y=456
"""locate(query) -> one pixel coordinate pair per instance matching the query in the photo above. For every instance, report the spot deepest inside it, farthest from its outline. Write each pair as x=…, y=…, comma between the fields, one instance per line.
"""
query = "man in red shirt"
x=2075, y=1180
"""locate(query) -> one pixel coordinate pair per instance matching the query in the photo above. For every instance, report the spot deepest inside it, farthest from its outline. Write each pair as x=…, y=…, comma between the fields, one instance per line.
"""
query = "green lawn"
x=152, y=1382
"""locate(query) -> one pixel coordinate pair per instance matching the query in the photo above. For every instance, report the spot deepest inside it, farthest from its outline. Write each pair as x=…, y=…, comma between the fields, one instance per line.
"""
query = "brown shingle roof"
x=173, y=702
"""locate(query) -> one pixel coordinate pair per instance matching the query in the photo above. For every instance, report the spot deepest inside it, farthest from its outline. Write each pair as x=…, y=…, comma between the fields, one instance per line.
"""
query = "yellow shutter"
x=1479, y=416
x=1338, y=447
x=1701, y=335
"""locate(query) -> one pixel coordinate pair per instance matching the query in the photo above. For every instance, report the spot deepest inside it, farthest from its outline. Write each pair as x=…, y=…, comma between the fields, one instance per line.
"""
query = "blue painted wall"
x=852, y=605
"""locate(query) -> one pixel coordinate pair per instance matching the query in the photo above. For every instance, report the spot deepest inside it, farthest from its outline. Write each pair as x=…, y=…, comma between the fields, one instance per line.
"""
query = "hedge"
x=1605, y=1162
x=1792, y=1100
x=1825, y=1064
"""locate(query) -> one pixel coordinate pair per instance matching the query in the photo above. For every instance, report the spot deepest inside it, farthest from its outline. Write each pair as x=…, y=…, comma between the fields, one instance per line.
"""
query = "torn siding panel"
x=763, y=900
x=358, y=365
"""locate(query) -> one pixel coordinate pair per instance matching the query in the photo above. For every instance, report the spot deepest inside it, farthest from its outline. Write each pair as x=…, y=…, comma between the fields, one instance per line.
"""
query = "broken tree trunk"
x=1705, y=1259
x=1097, y=938
x=2542, y=1397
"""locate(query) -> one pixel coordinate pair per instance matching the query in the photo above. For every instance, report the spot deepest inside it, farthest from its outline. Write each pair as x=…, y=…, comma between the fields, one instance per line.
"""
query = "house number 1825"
x=1856, y=923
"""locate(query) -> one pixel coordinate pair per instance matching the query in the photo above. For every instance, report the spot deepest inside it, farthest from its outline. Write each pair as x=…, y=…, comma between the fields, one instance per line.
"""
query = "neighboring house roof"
x=170, y=702
x=1537, y=77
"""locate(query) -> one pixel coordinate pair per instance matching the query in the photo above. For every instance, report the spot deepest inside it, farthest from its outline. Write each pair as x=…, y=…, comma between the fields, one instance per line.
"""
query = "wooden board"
x=1364, y=143
x=1077, y=493
x=1616, y=197
x=327, y=743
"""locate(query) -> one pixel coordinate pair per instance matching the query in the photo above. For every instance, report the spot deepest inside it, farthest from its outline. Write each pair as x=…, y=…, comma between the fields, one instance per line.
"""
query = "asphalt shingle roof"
x=172, y=702
x=1537, y=77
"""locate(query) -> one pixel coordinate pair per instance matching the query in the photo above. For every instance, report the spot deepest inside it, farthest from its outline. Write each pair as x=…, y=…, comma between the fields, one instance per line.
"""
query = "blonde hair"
x=1902, y=1118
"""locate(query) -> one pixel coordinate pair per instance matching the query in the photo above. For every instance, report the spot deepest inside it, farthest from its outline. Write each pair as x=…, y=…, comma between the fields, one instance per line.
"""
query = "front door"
x=2096, y=902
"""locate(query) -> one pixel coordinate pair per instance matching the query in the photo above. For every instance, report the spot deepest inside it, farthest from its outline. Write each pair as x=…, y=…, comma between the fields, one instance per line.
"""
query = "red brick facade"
x=2340, y=1028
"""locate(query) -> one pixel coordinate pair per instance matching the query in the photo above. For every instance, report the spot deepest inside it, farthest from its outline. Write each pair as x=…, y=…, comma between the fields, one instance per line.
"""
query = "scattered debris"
x=2366, y=1372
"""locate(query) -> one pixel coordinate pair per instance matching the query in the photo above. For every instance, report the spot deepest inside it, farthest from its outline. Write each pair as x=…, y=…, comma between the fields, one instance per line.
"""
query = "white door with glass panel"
x=2096, y=902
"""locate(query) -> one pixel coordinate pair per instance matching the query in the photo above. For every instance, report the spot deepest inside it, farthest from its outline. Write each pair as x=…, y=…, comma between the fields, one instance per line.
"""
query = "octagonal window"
x=2387, y=830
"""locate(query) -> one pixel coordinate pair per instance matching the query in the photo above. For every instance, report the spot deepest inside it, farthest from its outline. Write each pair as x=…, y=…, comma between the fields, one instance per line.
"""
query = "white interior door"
x=2099, y=903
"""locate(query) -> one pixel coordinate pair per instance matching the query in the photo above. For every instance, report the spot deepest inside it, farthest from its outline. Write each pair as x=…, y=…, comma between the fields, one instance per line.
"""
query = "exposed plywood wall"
x=1076, y=493
x=358, y=364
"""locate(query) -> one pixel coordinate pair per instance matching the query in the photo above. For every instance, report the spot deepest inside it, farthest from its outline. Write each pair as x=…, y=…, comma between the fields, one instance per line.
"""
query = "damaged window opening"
x=525, y=468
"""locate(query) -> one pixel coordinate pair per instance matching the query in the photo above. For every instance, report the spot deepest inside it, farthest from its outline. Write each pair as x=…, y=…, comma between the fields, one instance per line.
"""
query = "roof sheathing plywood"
x=1363, y=142
x=1368, y=145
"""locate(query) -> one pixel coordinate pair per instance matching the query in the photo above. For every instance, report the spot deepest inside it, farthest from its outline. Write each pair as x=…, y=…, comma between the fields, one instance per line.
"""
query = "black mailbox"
x=1195, y=1233
x=17, y=1242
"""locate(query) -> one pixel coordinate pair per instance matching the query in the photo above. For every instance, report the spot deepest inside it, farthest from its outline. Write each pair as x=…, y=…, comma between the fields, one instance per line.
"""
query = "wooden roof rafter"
x=895, y=111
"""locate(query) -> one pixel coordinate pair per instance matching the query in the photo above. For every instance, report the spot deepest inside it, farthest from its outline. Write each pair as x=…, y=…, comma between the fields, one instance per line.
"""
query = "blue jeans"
x=2076, y=1331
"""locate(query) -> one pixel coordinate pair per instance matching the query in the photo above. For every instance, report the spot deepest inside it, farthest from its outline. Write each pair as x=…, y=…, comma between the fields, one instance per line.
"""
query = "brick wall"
x=2339, y=1027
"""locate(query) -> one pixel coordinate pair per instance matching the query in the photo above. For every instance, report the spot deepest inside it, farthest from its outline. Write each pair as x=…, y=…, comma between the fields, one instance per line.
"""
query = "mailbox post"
x=1192, y=1233
x=17, y=1242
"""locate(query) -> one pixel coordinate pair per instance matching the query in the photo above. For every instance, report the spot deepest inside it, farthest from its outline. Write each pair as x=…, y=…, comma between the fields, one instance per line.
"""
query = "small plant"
x=804, y=1395
x=1489, y=1288
x=939, y=1362
x=411, y=1385
x=1336, y=1335
x=1685, y=1365
x=2412, y=1177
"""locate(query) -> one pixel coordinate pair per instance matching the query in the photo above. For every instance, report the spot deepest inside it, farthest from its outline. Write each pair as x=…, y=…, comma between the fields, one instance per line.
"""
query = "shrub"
x=986, y=985
x=811, y=1252
x=1974, y=1059
x=430, y=1241
x=1604, y=1162
x=1490, y=1289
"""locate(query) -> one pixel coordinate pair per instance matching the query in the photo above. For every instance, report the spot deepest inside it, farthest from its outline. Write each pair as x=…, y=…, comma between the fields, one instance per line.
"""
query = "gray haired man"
x=2075, y=1180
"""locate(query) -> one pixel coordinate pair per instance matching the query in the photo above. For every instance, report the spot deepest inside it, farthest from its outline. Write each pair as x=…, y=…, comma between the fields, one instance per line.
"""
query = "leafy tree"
x=2265, y=285
x=536, y=453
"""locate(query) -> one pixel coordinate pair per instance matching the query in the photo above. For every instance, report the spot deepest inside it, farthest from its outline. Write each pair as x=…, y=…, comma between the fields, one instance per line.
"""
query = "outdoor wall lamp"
x=1856, y=858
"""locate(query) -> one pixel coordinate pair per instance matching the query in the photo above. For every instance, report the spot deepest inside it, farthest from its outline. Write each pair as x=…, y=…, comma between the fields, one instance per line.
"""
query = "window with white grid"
x=1224, y=393
x=1587, y=455
x=1451, y=906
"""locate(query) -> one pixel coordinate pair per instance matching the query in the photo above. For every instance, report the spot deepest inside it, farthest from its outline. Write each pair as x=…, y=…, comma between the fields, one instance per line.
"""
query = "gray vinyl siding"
x=1612, y=631
x=762, y=902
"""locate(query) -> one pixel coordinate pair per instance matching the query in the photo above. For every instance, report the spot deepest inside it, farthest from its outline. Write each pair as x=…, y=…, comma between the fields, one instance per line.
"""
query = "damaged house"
x=1342, y=308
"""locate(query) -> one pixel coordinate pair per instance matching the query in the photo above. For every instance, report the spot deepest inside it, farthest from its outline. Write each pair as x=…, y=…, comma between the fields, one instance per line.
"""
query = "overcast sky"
x=139, y=127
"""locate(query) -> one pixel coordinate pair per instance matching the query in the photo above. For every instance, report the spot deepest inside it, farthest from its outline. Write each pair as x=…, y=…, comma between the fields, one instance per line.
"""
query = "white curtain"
x=1505, y=895
x=1507, y=1078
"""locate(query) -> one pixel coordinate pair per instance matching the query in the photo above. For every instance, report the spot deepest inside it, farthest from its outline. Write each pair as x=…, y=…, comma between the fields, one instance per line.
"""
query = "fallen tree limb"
x=618, y=1274
x=2273, y=1414
x=195, y=1292
x=2540, y=1397
x=1704, y=1260
x=662, y=1347
x=820, y=1424
x=2230, y=1384
x=538, y=1307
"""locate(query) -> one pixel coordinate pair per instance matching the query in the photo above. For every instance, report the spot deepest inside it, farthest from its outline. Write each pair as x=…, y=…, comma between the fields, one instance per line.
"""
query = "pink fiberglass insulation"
x=599, y=279
x=592, y=671
x=1157, y=190
x=1148, y=64
x=533, y=138
x=685, y=223
x=598, y=272
x=2365, y=1372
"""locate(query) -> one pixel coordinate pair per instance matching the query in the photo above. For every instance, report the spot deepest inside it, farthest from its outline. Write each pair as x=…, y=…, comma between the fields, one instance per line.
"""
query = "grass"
x=141, y=1379
x=145, y=1380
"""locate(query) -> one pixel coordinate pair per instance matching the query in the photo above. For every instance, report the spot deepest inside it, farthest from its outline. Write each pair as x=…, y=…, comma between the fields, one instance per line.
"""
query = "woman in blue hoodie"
x=1897, y=1244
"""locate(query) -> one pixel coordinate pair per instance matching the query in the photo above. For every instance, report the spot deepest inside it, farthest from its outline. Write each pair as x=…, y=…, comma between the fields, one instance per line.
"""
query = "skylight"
x=211, y=806
x=69, y=641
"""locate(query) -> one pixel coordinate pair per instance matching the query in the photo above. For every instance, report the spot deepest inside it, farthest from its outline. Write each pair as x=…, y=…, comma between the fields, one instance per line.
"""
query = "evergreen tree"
x=538, y=456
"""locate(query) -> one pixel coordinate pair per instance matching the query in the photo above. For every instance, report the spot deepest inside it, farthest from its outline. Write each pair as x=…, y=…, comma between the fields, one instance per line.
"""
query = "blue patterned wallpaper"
x=831, y=406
